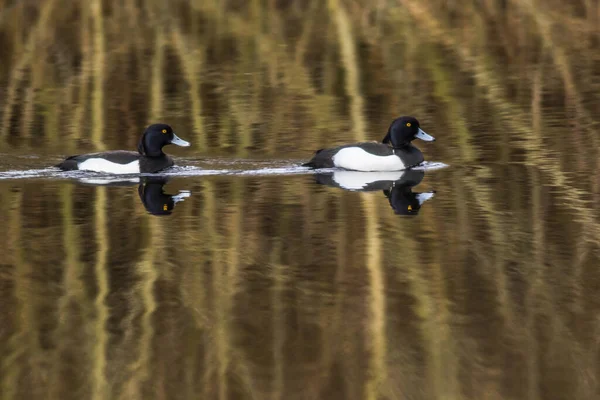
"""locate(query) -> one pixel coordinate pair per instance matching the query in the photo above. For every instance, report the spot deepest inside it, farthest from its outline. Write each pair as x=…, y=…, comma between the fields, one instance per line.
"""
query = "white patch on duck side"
x=357, y=159
x=359, y=180
x=100, y=181
x=102, y=165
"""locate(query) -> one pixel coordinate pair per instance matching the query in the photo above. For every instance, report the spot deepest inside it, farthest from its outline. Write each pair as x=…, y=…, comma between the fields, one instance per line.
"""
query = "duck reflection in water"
x=150, y=190
x=396, y=186
x=155, y=200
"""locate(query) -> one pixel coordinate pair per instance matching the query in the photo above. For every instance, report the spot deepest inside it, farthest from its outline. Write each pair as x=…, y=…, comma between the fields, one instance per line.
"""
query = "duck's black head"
x=155, y=137
x=404, y=130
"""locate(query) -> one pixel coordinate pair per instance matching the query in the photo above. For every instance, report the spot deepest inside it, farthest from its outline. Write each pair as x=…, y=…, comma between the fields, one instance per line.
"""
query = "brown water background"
x=275, y=287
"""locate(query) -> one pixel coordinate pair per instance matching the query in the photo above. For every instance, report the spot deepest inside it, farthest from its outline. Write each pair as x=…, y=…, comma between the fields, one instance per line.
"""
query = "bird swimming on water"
x=149, y=158
x=373, y=156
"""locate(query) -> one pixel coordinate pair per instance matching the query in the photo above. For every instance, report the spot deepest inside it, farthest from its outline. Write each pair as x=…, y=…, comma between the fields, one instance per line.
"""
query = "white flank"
x=100, y=181
x=423, y=197
x=359, y=180
x=102, y=165
x=357, y=159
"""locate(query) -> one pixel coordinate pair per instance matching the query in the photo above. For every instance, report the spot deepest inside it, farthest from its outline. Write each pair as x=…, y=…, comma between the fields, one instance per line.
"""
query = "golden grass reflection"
x=275, y=287
x=218, y=305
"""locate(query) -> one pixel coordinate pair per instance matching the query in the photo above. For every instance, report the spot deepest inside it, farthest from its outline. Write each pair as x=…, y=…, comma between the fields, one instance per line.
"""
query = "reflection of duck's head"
x=404, y=201
x=150, y=189
x=155, y=200
x=397, y=186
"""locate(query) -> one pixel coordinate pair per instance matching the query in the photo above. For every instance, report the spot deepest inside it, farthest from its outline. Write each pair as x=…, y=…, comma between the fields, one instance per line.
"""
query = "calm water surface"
x=241, y=276
x=257, y=286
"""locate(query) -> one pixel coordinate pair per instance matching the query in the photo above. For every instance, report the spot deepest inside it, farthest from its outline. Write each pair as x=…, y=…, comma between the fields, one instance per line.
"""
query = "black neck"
x=155, y=154
x=403, y=146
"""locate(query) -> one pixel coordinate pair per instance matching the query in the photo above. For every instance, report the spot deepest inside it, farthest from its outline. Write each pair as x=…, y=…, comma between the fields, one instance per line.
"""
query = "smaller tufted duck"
x=373, y=156
x=148, y=159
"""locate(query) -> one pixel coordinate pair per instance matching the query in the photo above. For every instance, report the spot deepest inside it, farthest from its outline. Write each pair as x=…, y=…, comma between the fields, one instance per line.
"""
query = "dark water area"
x=239, y=274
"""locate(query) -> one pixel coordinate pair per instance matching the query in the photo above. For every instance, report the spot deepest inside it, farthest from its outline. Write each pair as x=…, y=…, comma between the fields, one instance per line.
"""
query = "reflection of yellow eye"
x=164, y=131
x=408, y=124
x=409, y=208
x=165, y=207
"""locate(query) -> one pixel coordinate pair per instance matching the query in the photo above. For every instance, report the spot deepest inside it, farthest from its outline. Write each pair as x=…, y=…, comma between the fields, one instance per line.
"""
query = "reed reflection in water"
x=259, y=288
x=286, y=287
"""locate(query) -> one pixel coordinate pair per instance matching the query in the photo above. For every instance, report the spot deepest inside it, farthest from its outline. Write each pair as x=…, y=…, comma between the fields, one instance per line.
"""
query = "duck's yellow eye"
x=408, y=124
x=409, y=208
x=164, y=131
x=165, y=207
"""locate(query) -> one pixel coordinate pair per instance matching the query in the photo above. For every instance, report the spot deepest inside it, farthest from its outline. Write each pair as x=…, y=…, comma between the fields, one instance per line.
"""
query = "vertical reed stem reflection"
x=191, y=58
x=217, y=355
x=445, y=91
x=535, y=277
x=350, y=63
x=99, y=75
x=538, y=246
x=149, y=275
x=100, y=389
x=24, y=63
x=279, y=279
x=425, y=282
x=83, y=78
x=222, y=301
x=72, y=302
x=377, y=363
x=156, y=90
x=12, y=362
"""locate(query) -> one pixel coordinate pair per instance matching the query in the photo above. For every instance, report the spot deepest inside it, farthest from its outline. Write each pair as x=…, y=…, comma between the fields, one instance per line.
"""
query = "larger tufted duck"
x=373, y=156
